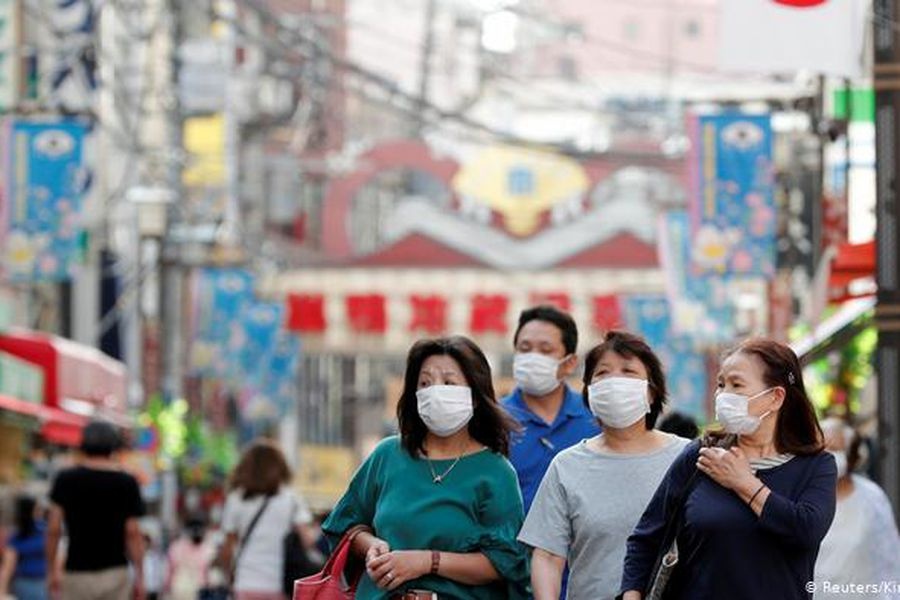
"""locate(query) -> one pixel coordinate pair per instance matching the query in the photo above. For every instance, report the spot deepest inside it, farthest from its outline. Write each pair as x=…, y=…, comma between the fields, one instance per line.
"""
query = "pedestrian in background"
x=188, y=562
x=30, y=576
x=551, y=414
x=595, y=492
x=863, y=545
x=259, y=512
x=680, y=424
x=441, y=501
x=154, y=567
x=752, y=518
x=100, y=505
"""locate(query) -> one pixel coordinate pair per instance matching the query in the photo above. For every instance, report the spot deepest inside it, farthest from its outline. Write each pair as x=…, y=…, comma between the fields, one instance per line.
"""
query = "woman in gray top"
x=595, y=492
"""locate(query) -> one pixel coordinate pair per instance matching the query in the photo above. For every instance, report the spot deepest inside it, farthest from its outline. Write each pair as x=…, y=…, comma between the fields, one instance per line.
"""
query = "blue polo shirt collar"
x=571, y=408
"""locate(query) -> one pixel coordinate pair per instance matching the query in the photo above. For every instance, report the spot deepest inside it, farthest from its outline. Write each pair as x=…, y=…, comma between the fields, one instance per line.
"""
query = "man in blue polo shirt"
x=552, y=415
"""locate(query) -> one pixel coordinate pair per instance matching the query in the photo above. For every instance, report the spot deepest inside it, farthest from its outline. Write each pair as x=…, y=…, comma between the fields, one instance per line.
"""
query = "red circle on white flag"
x=801, y=3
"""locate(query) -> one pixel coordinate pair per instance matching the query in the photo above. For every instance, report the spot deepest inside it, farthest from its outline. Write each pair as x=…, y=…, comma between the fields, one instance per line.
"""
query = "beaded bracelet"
x=435, y=561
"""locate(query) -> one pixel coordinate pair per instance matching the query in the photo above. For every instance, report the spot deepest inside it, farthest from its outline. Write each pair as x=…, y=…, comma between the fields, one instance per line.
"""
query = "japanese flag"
x=783, y=36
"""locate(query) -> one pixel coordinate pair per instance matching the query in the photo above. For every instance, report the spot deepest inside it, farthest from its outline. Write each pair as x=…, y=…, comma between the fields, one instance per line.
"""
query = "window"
x=631, y=30
x=692, y=28
x=520, y=181
x=566, y=68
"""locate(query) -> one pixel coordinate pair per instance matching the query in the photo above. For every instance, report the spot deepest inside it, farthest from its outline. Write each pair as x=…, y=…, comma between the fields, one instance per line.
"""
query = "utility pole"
x=887, y=312
x=425, y=64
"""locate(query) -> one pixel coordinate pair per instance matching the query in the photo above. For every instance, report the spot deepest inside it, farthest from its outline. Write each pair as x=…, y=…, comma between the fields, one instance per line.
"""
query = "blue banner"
x=683, y=361
x=45, y=183
x=732, y=195
x=702, y=307
x=241, y=341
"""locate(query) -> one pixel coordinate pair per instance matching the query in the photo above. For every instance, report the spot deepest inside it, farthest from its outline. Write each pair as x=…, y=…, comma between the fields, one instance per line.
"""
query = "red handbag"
x=332, y=583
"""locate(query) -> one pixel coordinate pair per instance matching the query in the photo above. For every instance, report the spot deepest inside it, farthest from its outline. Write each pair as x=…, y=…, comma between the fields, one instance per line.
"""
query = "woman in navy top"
x=763, y=498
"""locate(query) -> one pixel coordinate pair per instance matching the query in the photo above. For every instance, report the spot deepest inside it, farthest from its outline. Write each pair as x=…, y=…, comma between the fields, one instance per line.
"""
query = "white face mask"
x=619, y=402
x=445, y=409
x=732, y=412
x=536, y=373
x=840, y=457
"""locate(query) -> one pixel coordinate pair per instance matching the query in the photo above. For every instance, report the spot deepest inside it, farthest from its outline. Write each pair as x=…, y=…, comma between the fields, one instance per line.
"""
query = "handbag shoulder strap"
x=676, y=520
x=250, y=529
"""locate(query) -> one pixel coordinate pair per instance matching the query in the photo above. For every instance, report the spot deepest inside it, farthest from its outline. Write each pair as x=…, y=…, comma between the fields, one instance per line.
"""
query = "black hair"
x=550, y=314
x=100, y=439
x=680, y=424
x=25, y=525
x=630, y=345
x=490, y=425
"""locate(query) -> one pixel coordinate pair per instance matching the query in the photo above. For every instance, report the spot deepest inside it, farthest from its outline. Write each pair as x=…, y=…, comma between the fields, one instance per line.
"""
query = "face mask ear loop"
x=771, y=389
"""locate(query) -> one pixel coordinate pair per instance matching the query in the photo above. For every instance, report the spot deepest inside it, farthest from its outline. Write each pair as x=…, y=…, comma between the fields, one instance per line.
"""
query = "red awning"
x=57, y=426
x=21, y=407
x=851, y=263
x=71, y=370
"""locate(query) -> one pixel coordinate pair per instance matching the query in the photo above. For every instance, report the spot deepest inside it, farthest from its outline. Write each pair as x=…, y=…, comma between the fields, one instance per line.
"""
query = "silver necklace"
x=435, y=478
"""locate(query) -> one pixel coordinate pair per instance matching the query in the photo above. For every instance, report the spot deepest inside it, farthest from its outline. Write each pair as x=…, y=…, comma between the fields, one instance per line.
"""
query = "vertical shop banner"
x=9, y=58
x=732, y=196
x=260, y=322
x=684, y=363
x=243, y=344
x=701, y=306
x=220, y=296
x=44, y=190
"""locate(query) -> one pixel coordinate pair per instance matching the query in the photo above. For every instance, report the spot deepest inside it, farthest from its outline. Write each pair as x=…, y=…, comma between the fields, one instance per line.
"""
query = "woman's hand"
x=390, y=570
x=377, y=547
x=729, y=468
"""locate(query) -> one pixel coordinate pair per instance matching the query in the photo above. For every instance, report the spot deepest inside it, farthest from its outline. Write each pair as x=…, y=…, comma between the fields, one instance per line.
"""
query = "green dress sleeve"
x=501, y=515
x=357, y=505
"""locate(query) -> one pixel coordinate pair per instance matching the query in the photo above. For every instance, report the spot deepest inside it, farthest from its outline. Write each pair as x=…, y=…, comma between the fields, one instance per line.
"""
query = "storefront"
x=78, y=383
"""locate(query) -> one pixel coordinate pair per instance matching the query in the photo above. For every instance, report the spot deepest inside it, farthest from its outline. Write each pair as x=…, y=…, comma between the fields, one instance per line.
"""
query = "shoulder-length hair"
x=797, y=429
x=261, y=470
x=490, y=425
x=629, y=345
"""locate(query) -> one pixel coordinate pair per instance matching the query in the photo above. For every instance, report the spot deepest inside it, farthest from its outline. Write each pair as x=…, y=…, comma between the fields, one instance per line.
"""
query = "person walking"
x=754, y=502
x=863, y=545
x=29, y=580
x=188, y=561
x=551, y=415
x=259, y=512
x=595, y=492
x=441, y=502
x=100, y=505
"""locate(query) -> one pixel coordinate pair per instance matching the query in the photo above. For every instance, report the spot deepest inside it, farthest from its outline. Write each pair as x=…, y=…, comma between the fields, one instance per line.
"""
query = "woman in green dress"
x=441, y=498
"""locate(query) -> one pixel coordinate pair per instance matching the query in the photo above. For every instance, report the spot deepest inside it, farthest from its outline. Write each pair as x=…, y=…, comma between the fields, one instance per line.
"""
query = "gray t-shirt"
x=587, y=506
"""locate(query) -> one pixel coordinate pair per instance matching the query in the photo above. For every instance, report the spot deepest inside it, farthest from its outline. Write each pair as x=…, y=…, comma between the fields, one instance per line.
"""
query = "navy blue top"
x=532, y=449
x=30, y=550
x=725, y=550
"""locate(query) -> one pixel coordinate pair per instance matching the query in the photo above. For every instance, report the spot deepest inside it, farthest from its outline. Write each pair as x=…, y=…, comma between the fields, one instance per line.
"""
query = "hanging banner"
x=701, y=305
x=243, y=343
x=44, y=191
x=732, y=196
x=684, y=363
